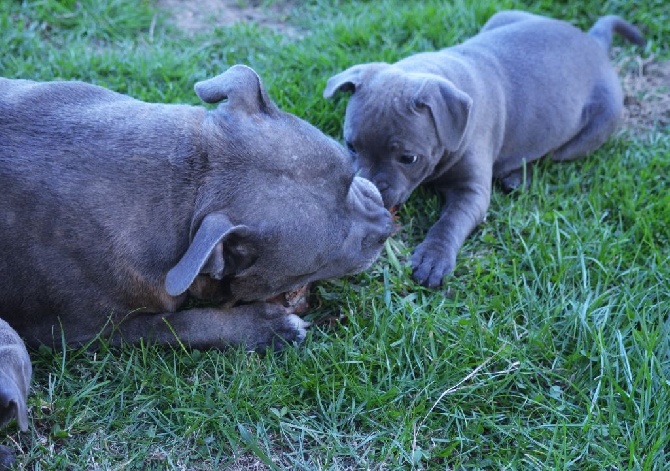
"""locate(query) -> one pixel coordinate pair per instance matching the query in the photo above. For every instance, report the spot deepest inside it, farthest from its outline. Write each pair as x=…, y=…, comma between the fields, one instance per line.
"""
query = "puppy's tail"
x=603, y=28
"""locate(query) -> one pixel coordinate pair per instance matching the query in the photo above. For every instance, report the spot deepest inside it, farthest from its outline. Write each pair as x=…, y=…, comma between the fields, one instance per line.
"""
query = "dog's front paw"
x=431, y=262
x=288, y=330
x=278, y=328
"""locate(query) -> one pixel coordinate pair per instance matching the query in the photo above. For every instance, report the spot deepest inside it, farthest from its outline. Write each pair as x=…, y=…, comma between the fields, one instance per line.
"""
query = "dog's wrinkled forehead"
x=262, y=135
x=310, y=154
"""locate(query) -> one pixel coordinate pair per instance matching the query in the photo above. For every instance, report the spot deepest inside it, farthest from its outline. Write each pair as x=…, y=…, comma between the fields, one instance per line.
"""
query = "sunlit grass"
x=548, y=349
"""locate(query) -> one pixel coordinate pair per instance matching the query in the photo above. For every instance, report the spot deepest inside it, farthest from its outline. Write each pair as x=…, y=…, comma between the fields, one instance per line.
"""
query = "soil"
x=646, y=84
x=194, y=16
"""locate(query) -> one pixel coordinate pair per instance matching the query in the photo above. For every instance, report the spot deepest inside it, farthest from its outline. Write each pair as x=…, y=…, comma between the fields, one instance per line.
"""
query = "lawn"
x=548, y=348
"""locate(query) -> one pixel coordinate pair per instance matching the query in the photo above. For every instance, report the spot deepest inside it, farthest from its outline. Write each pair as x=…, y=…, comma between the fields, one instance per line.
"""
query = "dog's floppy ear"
x=243, y=88
x=350, y=79
x=218, y=248
x=449, y=108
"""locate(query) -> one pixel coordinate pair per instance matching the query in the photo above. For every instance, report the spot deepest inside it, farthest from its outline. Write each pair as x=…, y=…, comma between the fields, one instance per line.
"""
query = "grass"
x=548, y=349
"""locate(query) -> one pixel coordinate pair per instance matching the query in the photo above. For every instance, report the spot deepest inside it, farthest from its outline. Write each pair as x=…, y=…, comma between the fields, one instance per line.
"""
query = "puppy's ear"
x=243, y=88
x=350, y=79
x=449, y=108
x=218, y=248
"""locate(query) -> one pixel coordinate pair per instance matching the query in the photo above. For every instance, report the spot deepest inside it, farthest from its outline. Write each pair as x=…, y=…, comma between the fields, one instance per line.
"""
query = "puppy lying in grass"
x=524, y=87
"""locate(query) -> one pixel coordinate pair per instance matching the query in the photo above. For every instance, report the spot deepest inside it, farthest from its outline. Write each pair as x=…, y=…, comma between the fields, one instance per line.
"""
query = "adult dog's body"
x=525, y=87
x=113, y=211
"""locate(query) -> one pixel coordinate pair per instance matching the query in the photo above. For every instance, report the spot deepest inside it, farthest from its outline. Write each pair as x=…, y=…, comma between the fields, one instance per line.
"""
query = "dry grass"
x=646, y=84
x=196, y=16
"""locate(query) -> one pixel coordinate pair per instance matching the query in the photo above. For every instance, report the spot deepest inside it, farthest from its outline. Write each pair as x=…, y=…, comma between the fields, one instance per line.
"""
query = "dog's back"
x=58, y=160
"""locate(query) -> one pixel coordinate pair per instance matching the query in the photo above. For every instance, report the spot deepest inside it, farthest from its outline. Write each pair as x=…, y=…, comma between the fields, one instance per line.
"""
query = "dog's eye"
x=351, y=148
x=408, y=159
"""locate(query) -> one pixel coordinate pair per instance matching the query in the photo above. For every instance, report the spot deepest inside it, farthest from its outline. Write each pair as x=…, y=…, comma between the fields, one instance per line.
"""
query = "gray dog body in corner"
x=524, y=87
x=113, y=211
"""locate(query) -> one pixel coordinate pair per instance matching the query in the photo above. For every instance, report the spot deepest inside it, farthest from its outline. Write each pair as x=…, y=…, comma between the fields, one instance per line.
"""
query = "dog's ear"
x=449, y=108
x=218, y=249
x=350, y=79
x=243, y=88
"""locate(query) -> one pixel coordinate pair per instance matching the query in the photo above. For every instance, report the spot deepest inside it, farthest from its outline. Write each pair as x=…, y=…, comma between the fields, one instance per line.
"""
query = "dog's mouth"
x=394, y=210
x=296, y=301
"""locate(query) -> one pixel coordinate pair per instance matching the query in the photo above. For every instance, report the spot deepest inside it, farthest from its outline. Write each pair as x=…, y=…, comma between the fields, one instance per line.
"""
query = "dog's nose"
x=382, y=228
x=364, y=192
x=382, y=185
x=385, y=224
x=384, y=188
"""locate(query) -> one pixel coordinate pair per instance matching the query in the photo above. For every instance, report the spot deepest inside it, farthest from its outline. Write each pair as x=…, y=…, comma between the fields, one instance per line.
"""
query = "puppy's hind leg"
x=601, y=119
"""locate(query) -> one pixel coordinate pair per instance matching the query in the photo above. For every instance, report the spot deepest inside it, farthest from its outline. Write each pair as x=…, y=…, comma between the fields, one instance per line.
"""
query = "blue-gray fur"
x=103, y=196
x=524, y=87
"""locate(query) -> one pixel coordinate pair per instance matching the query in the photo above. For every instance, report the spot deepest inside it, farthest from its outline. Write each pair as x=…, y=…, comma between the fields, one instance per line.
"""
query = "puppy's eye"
x=408, y=159
x=351, y=148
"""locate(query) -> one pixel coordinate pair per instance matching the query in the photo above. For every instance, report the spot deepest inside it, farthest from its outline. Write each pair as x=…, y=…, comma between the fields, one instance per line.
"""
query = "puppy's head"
x=399, y=125
x=279, y=205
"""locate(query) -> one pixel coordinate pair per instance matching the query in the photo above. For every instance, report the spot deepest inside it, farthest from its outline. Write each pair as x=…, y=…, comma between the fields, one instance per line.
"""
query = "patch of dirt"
x=195, y=16
x=646, y=85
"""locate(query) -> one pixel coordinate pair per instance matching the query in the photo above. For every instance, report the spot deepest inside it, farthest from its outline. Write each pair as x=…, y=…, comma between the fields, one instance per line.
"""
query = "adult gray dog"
x=114, y=211
x=524, y=87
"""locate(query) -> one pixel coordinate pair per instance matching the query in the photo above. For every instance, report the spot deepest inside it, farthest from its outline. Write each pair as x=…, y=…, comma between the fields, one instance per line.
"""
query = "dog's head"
x=399, y=125
x=280, y=205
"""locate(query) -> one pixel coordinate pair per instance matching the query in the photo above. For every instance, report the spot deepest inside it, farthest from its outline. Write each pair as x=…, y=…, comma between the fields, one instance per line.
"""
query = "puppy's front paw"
x=431, y=262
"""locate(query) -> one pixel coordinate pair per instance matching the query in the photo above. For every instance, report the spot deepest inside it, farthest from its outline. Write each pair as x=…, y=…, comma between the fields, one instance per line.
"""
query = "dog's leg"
x=15, y=373
x=467, y=197
x=255, y=326
x=601, y=117
x=7, y=459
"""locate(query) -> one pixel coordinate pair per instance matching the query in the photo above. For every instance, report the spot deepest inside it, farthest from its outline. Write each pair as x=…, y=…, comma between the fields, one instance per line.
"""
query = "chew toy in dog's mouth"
x=295, y=301
x=394, y=213
x=395, y=219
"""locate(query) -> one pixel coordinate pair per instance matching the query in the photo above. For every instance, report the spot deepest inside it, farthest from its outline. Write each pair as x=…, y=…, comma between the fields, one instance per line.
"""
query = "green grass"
x=548, y=349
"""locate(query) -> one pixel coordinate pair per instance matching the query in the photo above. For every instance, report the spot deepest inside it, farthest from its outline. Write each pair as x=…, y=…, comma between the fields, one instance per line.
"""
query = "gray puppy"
x=524, y=87
x=114, y=211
